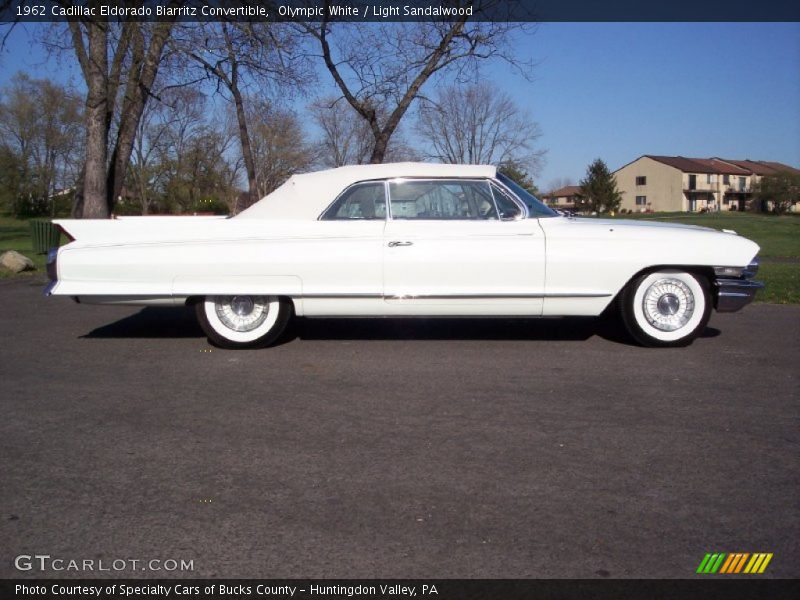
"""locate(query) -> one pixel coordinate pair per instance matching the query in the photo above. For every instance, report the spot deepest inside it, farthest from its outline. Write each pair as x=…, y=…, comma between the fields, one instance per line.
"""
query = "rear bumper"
x=735, y=294
x=52, y=270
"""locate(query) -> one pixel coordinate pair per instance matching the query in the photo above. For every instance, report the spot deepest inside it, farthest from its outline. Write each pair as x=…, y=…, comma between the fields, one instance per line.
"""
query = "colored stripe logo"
x=734, y=562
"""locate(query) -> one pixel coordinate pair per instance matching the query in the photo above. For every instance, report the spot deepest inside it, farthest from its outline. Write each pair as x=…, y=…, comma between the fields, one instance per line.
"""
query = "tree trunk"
x=136, y=96
x=94, y=184
x=379, y=150
x=247, y=150
x=77, y=198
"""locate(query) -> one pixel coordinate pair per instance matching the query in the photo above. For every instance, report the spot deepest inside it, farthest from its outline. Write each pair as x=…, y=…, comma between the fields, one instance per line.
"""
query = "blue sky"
x=620, y=90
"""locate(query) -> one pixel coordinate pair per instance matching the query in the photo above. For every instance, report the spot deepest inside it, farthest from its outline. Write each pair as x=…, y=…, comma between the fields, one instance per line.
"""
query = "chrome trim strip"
x=751, y=270
x=577, y=295
x=497, y=296
x=342, y=295
x=453, y=296
x=525, y=212
x=359, y=295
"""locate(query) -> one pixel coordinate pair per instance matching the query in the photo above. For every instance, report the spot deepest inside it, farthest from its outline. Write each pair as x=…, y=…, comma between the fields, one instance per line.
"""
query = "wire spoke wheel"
x=668, y=304
x=666, y=308
x=242, y=313
x=243, y=321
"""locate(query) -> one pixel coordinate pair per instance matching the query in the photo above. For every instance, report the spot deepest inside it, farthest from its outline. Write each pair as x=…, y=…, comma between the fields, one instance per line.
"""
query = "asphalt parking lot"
x=424, y=448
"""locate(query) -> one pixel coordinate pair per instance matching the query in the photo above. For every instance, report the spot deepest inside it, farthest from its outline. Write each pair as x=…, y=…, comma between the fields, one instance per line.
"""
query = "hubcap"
x=241, y=313
x=242, y=305
x=668, y=304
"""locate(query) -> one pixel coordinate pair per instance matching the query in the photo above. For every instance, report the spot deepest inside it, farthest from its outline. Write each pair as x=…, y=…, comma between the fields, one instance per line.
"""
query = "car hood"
x=639, y=224
x=665, y=243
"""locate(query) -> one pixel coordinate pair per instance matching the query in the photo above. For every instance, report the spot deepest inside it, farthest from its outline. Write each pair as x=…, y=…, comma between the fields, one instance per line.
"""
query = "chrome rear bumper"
x=52, y=270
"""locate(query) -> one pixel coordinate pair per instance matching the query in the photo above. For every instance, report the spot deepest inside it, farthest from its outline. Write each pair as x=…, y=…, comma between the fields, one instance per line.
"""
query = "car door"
x=342, y=260
x=461, y=247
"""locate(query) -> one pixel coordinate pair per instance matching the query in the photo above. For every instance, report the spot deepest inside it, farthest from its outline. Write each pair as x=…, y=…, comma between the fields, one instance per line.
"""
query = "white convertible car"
x=405, y=240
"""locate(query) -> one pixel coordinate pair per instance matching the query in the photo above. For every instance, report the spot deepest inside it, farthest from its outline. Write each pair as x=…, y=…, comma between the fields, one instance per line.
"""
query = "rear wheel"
x=669, y=307
x=243, y=321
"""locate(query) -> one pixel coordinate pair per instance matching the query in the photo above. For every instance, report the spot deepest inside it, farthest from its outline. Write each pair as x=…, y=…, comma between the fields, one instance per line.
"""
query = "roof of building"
x=566, y=191
x=720, y=166
x=700, y=165
x=761, y=167
x=305, y=196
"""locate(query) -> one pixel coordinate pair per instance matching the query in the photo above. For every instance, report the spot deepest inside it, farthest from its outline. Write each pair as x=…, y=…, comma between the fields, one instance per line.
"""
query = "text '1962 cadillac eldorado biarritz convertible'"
x=406, y=240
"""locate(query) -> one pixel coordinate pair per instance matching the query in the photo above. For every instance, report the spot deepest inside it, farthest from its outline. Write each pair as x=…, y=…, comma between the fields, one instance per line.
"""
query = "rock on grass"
x=15, y=262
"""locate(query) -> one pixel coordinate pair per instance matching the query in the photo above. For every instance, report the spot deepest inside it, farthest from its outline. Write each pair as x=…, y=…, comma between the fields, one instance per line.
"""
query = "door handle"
x=395, y=244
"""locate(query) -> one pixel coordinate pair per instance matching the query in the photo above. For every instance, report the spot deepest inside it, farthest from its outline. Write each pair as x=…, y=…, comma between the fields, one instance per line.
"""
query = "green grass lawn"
x=15, y=235
x=779, y=238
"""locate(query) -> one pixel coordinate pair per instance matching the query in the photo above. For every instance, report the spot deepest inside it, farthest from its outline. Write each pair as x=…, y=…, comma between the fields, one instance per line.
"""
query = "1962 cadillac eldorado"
x=407, y=239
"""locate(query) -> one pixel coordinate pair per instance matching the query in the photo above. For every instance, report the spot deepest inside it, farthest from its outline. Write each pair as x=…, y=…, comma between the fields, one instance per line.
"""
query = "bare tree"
x=347, y=139
x=279, y=146
x=479, y=124
x=191, y=154
x=167, y=125
x=40, y=125
x=199, y=178
x=380, y=69
x=120, y=63
x=238, y=55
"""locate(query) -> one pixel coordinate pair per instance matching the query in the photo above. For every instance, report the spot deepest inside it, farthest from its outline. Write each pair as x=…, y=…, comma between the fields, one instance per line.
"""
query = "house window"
x=641, y=200
x=742, y=184
x=711, y=178
x=726, y=179
x=641, y=180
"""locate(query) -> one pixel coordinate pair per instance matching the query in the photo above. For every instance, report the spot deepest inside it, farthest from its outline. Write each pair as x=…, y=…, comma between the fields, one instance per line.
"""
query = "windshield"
x=536, y=208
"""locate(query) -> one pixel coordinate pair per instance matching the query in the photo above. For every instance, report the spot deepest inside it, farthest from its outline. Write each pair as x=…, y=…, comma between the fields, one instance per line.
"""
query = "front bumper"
x=734, y=286
x=735, y=294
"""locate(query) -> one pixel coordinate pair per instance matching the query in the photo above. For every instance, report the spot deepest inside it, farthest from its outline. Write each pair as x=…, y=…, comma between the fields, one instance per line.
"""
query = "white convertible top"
x=306, y=196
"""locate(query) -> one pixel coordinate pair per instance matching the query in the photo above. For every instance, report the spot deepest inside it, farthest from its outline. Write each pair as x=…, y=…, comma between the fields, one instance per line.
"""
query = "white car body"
x=547, y=266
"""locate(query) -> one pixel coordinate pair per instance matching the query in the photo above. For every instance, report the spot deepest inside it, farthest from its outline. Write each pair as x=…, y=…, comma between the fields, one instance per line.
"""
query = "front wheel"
x=666, y=308
x=243, y=321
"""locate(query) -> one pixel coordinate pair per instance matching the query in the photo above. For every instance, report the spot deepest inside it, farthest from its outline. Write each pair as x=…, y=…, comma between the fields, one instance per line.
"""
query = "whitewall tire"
x=668, y=307
x=243, y=321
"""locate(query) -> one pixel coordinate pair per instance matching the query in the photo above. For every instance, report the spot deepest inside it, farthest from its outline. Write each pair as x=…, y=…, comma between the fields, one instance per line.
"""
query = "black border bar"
x=403, y=10
x=728, y=588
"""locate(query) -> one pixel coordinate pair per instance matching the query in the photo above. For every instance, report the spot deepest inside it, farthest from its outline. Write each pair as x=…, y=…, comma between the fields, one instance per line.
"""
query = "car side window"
x=505, y=205
x=442, y=199
x=363, y=201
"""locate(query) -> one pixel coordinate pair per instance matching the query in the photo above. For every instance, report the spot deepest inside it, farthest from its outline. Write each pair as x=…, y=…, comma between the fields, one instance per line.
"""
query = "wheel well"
x=192, y=300
x=706, y=272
